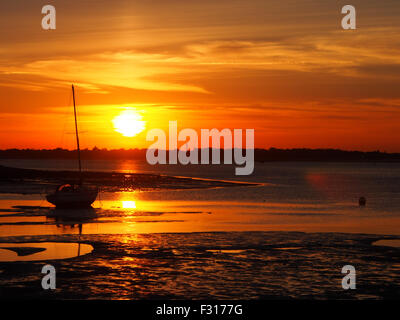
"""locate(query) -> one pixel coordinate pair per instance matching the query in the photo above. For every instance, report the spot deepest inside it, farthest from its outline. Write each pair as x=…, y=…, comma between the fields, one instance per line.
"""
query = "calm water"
x=236, y=242
x=291, y=196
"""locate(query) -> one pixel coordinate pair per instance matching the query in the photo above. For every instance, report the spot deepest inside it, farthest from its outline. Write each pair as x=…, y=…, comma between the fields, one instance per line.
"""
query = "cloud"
x=120, y=69
x=170, y=67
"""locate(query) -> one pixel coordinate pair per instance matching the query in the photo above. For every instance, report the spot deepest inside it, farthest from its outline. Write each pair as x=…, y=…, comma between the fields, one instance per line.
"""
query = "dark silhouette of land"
x=324, y=155
x=261, y=155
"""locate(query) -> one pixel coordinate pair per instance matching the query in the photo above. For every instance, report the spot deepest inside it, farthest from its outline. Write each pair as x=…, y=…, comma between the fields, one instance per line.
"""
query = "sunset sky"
x=285, y=68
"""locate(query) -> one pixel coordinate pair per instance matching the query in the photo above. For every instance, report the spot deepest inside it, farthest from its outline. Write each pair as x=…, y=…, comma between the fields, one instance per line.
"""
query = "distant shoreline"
x=260, y=155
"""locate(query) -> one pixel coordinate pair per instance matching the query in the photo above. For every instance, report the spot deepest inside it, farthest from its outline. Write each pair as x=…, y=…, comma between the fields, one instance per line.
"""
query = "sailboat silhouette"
x=73, y=195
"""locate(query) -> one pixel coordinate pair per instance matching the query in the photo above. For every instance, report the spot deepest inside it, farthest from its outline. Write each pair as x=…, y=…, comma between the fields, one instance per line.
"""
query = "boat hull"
x=73, y=199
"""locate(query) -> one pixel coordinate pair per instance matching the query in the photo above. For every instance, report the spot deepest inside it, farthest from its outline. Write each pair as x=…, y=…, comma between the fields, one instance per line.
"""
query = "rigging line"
x=77, y=136
x=82, y=165
x=42, y=196
x=65, y=118
x=101, y=203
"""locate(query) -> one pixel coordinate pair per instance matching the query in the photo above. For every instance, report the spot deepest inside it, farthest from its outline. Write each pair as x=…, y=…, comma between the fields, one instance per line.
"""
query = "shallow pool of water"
x=388, y=243
x=37, y=251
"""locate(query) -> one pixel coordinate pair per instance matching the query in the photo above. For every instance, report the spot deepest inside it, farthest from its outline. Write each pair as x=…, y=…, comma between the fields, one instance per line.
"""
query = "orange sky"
x=284, y=68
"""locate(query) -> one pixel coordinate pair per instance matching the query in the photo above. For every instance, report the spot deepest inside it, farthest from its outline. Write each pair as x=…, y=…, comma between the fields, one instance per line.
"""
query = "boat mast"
x=77, y=137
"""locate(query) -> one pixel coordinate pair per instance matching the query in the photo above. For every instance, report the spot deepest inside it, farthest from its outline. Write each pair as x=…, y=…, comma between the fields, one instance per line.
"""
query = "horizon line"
x=96, y=149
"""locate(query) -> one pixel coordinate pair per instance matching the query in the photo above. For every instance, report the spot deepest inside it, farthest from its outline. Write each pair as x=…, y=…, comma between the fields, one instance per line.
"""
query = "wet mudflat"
x=215, y=265
x=32, y=181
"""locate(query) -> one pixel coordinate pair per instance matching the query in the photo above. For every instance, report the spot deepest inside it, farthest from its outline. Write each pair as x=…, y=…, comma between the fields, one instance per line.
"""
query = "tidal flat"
x=215, y=265
x=33, y=181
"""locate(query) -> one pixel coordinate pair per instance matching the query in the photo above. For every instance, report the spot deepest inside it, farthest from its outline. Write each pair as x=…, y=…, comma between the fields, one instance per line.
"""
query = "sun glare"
x=129, y=123
x=129, y=204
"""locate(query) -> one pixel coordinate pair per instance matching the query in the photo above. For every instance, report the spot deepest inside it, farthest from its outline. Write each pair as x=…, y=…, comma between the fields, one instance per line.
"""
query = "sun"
x=129, y=204
x=129, y=123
